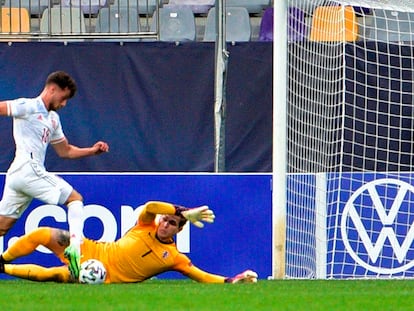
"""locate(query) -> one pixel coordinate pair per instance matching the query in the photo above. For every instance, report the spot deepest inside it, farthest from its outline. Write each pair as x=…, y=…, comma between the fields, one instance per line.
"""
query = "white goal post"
x=347, y=148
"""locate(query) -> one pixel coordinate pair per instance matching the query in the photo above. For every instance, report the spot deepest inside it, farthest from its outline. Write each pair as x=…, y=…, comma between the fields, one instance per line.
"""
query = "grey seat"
x=177, y=24
x=34, y=7
x=252, y=6
x=238, y=28
x=63, y=21
x=114, y=20
x=390, y=26
x=91, y=7
x=143, y=6
x=197, y=6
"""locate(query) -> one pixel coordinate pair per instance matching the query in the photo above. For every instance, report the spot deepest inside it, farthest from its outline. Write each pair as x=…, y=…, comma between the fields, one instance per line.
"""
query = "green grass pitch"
x=187, y=295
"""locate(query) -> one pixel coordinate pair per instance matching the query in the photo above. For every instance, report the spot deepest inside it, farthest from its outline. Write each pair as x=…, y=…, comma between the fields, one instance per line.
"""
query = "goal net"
x=350, y=110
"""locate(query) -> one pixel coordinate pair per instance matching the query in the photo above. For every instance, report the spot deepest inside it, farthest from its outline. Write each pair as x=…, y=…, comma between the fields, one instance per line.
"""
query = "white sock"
x=75, y=220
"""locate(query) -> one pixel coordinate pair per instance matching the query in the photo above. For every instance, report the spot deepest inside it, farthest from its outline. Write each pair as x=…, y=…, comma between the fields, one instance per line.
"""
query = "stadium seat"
x=90, y=7
x=143, y=6
x=333, y=24
x=252, y=6
x=297, y=30
x=176, y=24
x=15, y=20
x=197, y=6
x=238, y=28
x=266, y=25
x=114, y=20
x=63, y=20
x=362, y=11
x=390, y=26
x=34, y=7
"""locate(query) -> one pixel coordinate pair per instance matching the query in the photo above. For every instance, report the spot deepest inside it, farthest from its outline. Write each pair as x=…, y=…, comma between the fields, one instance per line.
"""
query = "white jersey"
x=34, y=127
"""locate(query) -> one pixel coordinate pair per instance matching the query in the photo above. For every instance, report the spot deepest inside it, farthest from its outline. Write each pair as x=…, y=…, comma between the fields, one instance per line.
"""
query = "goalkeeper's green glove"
x=196, y=215
x=247, y=276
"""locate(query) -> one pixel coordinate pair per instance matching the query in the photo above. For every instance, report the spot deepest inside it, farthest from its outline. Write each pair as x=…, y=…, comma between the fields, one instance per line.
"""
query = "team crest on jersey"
x=165, y=255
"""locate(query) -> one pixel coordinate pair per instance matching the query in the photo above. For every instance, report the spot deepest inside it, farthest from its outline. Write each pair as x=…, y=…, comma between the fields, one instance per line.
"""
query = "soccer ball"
x=92, y=271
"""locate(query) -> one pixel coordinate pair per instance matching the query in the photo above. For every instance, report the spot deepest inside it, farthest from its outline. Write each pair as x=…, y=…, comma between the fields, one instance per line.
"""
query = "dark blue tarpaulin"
x=152, y=102
x=379, y=107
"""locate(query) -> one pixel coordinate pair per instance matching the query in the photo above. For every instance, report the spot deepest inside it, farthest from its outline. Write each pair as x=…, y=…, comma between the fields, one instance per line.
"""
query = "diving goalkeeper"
x=146, y=250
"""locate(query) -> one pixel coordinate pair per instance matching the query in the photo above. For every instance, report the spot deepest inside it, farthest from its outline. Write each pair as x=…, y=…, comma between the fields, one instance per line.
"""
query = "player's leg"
x=55, y=190
x=52, y=189
x=75, y=217
x=6, y=223
x=54, y=239
x=75, y=220
x=38, y=273
x=12, y=204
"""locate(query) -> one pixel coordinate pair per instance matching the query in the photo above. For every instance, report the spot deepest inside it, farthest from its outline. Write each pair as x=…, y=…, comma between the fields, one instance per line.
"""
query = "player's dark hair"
x=63, y=80
x=178, y=210
x=182, y=221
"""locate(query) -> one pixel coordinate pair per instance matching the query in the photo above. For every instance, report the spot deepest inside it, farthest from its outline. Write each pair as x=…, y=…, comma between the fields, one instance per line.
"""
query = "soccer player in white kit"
x=35, y=125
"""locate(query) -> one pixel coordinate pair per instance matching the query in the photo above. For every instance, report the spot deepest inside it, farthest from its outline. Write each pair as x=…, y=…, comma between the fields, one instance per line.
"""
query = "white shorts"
x=31, y=181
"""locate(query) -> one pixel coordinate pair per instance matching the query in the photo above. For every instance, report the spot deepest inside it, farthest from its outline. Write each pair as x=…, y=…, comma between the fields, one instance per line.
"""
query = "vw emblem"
x=377, y=226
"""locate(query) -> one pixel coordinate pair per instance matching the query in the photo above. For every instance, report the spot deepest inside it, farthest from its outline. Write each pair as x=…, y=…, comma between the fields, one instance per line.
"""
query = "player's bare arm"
x=68, y=151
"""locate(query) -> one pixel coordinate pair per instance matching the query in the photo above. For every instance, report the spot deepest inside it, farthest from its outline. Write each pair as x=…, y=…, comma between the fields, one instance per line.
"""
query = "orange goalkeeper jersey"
x=139, y=255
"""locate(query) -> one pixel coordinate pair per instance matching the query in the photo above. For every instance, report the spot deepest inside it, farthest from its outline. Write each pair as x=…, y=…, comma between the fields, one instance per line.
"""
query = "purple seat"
x=297, y=30
x=87, y=6
x=361, y=11
x=266, y=25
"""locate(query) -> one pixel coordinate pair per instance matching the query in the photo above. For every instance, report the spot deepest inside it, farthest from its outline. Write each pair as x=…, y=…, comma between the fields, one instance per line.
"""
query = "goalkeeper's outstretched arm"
x=197, y=215
x=201, y=276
